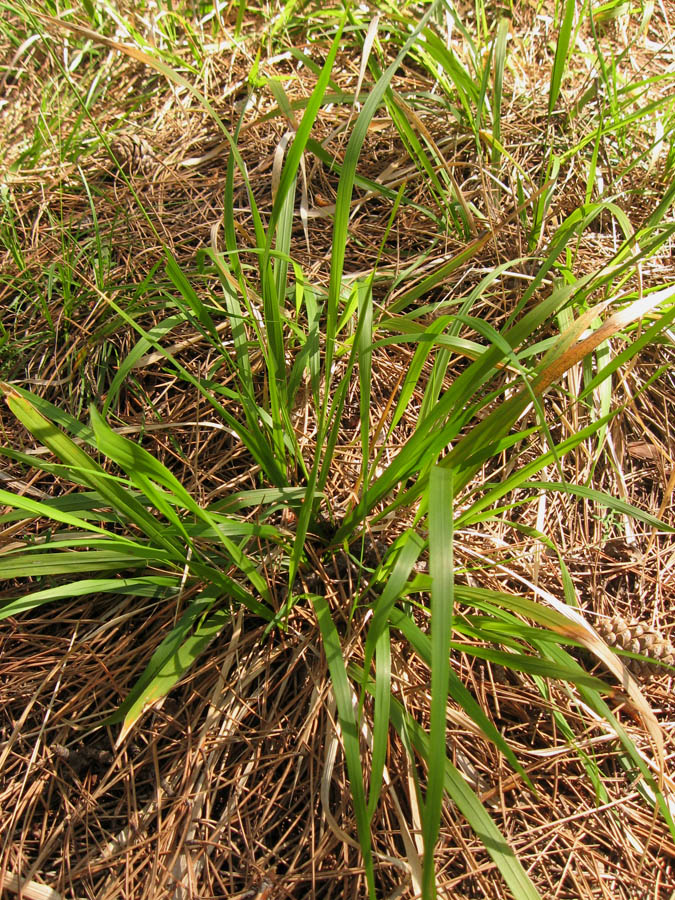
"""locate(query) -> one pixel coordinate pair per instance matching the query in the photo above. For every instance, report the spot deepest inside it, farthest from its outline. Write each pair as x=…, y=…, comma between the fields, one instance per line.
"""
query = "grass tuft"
x=336, y=356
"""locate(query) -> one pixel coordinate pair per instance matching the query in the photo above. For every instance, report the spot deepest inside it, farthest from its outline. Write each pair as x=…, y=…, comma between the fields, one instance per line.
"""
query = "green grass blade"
x=350, y=732
x=411, y=545
x=49, y=510
x=380, y=718
x=189, y=296
x=365, y=362
x=143, y=469
x=441, y=563
x=144, y=586
x=346, y=185
x=134, y=356
x=421, y=644
x=500, y=62
x=471, y=808
x=85, y=470
x=603, y=499
x=644, y=340
x=37, y=565
x=172, y=659
x=561, y=53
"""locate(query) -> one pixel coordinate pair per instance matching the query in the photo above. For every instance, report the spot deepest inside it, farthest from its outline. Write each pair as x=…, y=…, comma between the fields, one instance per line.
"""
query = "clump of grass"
x=361, y=444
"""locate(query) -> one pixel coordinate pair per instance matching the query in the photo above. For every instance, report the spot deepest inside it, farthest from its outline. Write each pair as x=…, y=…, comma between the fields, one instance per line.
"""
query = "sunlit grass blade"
x=350, y=732
x=135, y=355
x=603, y=499
x=471, y=808
x=633, y=349
x=245, y=347
x=37, y=565
x=441, y=562
x=561, y=52
x=558, y=361
x=345, y=187
x=49, y=510
x=254, y=441
x=172, y=659
x=85, y=469
x=365, y=362
x=595, y=701
x=456, y=81
x=280, y=227
x=410, y=546
x=302, y=134
x=144, y=470
x=381, y=718
x=189, y=296
x=141, y=586
x=570, y=623
x=499, y=63
x=428, y=438
x=421, y=644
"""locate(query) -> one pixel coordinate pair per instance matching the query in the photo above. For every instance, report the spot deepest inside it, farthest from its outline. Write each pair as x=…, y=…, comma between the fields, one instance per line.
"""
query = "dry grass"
x=233, y=788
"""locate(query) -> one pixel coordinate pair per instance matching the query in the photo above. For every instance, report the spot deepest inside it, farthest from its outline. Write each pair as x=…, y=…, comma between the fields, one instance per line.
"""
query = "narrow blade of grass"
x=350, y=732
x=441, y=497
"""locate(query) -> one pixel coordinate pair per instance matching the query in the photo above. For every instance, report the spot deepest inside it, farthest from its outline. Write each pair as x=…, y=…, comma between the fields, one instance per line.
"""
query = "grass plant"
x=316, y=409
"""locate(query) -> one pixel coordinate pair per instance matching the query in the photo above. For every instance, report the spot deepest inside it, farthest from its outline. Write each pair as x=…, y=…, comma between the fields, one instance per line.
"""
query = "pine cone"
x=134, y=154
x=637, y=638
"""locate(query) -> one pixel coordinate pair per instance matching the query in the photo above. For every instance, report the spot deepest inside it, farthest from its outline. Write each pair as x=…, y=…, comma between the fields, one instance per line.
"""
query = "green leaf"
x=620, y=506
x=561, y=50
x=421, y=644
x=380, y=718
x=471, y=808
x=147, y=586
x=441, y=565
x=411, y=545
x=143, y=469
x=26, y=565
x=85, y=470
x=172, y=659
x=342, y=692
